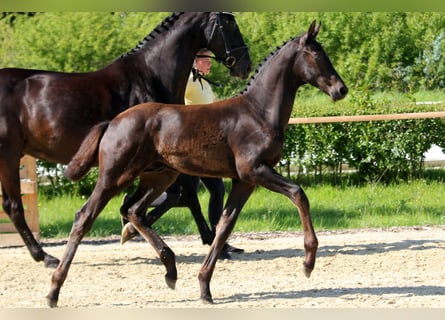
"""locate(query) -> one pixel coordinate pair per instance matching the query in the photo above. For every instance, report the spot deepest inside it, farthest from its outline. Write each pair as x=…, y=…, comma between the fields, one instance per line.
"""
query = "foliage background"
x=376, y=50
x=396, y=52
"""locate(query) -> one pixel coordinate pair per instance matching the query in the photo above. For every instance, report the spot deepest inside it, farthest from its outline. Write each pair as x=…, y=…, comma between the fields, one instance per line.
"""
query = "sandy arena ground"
x=386, y=268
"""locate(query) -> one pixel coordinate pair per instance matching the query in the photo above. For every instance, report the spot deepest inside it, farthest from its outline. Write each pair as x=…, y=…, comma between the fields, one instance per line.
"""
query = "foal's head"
x=226, y=41
x=313, y=66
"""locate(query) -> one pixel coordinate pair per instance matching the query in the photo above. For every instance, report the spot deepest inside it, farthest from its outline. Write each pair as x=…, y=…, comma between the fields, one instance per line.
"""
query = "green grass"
x=419, y=202
x=415, y=203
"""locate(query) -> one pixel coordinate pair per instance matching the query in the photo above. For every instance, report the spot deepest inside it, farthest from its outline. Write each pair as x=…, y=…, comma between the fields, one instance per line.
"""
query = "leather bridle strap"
x=229, y=60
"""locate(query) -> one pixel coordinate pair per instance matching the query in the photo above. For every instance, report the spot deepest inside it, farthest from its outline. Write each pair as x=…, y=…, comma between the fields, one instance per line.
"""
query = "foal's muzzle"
x=338, y=91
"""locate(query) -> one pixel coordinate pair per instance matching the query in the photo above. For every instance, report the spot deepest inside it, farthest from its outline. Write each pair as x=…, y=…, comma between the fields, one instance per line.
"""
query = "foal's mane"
x=264, y=63
x=165, y=25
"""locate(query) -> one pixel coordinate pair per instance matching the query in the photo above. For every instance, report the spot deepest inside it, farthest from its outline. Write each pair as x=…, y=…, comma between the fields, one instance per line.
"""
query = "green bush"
x=385, y=151
x=376, y=50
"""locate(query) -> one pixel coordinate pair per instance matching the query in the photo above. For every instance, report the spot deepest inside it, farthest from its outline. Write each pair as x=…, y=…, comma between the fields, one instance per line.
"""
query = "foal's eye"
x=315, y=55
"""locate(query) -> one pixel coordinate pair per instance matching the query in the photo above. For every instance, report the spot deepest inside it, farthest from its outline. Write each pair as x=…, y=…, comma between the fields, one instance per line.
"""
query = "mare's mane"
x=264, y=63
x=165, y=25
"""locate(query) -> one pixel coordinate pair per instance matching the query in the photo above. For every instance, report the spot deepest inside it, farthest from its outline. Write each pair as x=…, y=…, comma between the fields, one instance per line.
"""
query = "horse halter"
x=229, y=60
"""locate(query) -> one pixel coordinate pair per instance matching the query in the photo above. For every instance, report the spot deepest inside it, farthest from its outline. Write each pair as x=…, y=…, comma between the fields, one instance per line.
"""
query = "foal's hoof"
x=128, y=233
x=51, y=303
x=307, y=271
x=207, y=300
x=171, y=283
x=50, y=261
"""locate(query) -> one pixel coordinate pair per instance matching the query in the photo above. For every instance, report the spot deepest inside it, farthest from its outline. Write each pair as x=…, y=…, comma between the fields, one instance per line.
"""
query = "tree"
x=78, y=41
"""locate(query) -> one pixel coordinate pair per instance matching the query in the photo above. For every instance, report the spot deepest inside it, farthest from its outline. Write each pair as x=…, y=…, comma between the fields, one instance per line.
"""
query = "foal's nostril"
x=338, y=92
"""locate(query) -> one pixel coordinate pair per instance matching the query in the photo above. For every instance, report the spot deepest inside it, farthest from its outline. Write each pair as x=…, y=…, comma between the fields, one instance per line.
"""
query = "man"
x=199, y=91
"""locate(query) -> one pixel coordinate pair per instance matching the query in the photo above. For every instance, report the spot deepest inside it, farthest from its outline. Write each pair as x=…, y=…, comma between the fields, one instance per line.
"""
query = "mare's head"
x=226, y=42
x=313, y=66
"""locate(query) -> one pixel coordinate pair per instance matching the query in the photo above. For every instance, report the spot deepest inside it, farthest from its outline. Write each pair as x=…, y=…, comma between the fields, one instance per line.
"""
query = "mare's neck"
x=164, y=62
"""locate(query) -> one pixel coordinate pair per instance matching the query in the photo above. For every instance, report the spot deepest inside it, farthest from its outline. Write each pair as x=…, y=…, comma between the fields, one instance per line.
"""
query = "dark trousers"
x=216, y=201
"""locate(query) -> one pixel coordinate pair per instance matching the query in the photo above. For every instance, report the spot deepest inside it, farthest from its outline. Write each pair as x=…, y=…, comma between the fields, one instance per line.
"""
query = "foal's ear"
x=312, y=32
x=316, y=29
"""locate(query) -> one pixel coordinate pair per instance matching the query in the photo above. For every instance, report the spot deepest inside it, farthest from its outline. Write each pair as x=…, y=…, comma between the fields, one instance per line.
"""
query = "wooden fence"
x=28, y=183
x=371, y=117
x=28, y=175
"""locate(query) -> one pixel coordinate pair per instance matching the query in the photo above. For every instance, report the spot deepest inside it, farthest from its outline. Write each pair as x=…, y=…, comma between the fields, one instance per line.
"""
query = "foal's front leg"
x=238, y=196
x=270, y=179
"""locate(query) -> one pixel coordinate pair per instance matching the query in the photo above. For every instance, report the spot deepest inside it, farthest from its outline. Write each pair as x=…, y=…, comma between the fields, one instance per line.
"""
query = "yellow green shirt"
x=197, y=94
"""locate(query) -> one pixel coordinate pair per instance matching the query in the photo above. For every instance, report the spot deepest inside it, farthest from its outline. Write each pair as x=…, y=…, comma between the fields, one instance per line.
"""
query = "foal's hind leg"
x=12, y=204
x=185, y=188
x=83, y=222
x=189, y=186
x=173, y=194
x=134, y=209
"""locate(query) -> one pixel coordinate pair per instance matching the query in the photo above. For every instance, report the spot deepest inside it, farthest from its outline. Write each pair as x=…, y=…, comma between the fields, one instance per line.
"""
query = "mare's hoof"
x=227, y=249
x=171, y=283
x=232, y=249
x=224, y=255
x=307, y=271
x=50, y=261
x=128, y=233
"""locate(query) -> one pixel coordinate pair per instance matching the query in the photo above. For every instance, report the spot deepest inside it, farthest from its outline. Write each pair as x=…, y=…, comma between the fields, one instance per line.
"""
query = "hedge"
x=384, y=151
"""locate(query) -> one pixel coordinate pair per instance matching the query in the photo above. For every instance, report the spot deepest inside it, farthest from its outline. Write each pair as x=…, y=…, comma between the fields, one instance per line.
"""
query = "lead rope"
x=198, y=76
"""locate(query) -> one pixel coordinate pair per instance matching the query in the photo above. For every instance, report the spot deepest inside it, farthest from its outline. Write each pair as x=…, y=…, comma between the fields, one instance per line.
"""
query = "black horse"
x=241, y=138
x=47, y=114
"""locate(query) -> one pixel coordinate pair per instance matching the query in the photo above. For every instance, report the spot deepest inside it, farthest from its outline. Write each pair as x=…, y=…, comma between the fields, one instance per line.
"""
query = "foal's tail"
x=86, y=156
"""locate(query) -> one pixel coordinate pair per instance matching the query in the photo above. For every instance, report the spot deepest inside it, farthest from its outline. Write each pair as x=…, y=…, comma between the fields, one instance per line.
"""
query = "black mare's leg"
x=13, y=206
x=238, y=196
x=188, y=188
x=189, y=196
x=216, y=203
